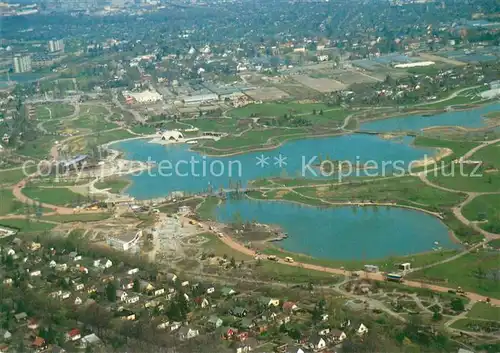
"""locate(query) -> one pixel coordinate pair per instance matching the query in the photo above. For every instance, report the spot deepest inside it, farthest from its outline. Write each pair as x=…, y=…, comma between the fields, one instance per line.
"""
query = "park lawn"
x=207, y=209
x=283, y=273
x=407, y=190
x=466, y=178
x=9, y=204
x=77, y=217
x=459, y=148
x=485, y=208
x=38, y=148
x=490, y=156
x=109, y=136
x=253, y=138
x=474, y=325
x=50, y=181
x=472, y=272
x=26, y=226
x=53, y=196
x=484, y=311
x=276, y=109
x=115, y=184
x=90, y=123
x=59, y=110
x=9, y=177
x=218, y=125
x=143, y=129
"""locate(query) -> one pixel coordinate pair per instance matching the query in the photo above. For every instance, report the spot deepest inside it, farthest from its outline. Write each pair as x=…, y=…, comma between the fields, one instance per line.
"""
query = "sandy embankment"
x=426, y=161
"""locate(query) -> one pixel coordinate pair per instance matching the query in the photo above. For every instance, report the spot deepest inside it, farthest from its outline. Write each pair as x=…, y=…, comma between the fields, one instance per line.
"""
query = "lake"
x=344, y=233
x=175, y=172
x=467, y=118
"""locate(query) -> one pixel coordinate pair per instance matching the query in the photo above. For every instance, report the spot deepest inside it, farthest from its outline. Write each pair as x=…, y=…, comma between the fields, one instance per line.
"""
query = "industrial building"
x=142, y=97
x=56, y=45
x=201, y=98
x=22, y=63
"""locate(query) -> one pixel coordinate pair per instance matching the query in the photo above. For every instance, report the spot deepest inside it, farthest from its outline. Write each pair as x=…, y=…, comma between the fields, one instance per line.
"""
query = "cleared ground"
x=322, y=85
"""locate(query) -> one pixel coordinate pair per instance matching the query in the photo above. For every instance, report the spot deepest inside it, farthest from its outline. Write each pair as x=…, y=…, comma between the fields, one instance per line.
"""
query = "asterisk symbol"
x=280, y=161
x=262, y=161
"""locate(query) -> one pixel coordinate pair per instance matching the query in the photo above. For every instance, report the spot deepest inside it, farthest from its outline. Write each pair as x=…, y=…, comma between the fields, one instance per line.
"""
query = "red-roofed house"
x=32, y=324
x=290, y=307
x=39, y=344
x=73, y=335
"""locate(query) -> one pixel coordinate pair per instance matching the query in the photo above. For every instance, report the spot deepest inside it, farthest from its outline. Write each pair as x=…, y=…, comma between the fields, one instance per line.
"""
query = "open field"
x=26, y=226
x=214, y=246
x=466, y=178
x=459, y=148
x=322, y=85
x=485, y=208
x=476, y=325
x=267, y=94
x=484, y=311
x=9, y=177
x=276, y=109
x=83, y=217
x=8, y=204
x=58, y=110
x=218, y=125
x=38, y=148
x=53, y=195
x=475, y=272
x=207, y=208
x=115, y=184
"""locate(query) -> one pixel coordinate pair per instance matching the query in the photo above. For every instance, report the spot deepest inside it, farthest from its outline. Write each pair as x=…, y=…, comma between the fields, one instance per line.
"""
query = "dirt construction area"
x=322, y=85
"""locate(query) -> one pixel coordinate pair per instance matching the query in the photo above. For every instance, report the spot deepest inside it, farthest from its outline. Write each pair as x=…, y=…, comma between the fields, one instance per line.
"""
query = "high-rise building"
x=22, y=63
x=56, y=45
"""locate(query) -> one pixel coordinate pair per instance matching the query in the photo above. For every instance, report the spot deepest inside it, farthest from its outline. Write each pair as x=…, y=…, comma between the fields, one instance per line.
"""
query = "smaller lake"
x=344, y=233
x=467, y=118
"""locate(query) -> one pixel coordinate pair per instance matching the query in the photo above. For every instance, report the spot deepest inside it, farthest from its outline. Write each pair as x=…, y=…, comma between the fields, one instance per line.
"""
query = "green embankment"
x=53, y=195
x=115, y=184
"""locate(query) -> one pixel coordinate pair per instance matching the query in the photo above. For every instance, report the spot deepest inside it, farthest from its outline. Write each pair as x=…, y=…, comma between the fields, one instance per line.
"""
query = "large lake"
x=344, y=232
x=176, y=173
x=472, y=118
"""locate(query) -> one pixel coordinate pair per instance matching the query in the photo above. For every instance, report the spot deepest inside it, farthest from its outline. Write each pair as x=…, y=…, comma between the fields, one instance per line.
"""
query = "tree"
x=137, y=286
x=111, y=292
x=321, y=112
x=233, y=262
x=437, y=316
x=457, y=304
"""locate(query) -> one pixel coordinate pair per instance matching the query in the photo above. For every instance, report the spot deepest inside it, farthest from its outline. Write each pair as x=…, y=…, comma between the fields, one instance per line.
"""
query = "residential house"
x=239, y=311
x=282, y=319
x=214, y=321
x=163, y=325
x=103, y=263
x=121, y=295
x=159, y=291
x=294, y=349
x=5, y=335
x=362, y=329
x=132, y=299
x=210, y=290
x=90, y=340
x=227, y=332
x=35, y=246
x=78, y=286
x=323, y=332
x=175, y=326
x=21, y=316
x=172, y=277
x=290, y=307
x=241, y=336
x=39, y=344
x=32, y=324
x=324, y=317
x=35, y=273
x=187, y=332
x=61, y=267
x=247, y=346
x=317, y=342
x=337, y=335
x=4, y=348
x=65, y=295
x=185, y=284
x=266, y=301
x=8, y=281
x=345, y=324
x=127, y=315
x=52, y=264
x=202, y=302
x=78, y=301
x=226, y=291
x=126, y=283
x=57, y=349
x=73, y=335
x=133, y=271
x=74, y=256
x=145, y=286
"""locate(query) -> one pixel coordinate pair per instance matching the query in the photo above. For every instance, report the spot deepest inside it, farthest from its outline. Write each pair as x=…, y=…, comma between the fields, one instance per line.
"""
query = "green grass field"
x=484, y=311
x=115, y=184
x=39, y=148
x=466, y=178
x=9, y=177
x=458, y=100
x=276, y=109
x=83, y=217
x=485, y=208
x=25, y=226
x=59, y=110
x=473, y=272
x=219, y=125
x=54, y=196
x=207, y=209
x=8, y=204
x=459, y=148
x=90, y=123
x=110, y=136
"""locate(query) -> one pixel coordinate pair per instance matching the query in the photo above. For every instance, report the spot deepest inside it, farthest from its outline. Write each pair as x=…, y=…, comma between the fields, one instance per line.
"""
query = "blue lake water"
x=466, y=118
x=344, y=232
x=176, y=172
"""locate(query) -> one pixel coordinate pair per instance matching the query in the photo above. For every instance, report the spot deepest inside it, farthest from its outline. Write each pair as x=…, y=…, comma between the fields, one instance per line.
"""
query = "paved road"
x=451, y=96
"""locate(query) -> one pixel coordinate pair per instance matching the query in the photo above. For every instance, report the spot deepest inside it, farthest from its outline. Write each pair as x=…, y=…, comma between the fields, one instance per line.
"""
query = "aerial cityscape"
x=250, y=176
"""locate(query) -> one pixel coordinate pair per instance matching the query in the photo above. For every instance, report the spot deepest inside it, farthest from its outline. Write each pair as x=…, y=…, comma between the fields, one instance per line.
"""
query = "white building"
x=201, y=98
x=125, y=242
x=143, y=97
x=172, y=135
x=22, y=63
x=55, y=45
x=415, y=64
